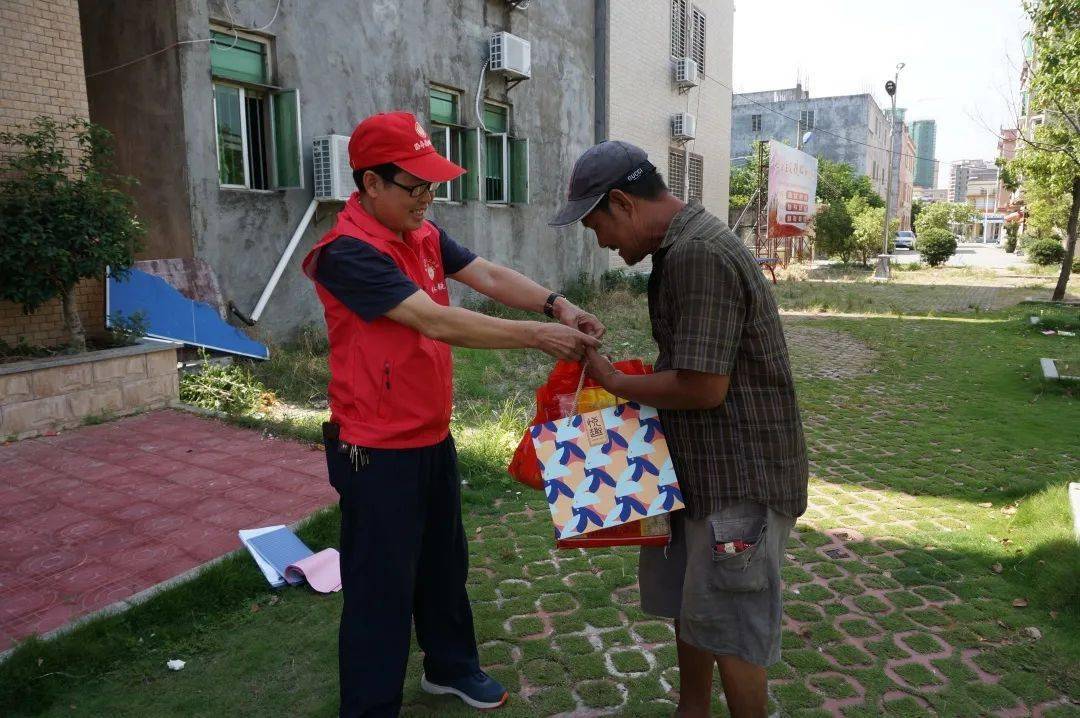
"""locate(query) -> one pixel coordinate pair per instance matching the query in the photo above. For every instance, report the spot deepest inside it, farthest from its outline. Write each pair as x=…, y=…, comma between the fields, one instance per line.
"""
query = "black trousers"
x=403, y=557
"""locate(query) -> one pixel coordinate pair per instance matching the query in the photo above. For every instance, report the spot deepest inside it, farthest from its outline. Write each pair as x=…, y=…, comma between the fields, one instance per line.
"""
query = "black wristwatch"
x=549, y=305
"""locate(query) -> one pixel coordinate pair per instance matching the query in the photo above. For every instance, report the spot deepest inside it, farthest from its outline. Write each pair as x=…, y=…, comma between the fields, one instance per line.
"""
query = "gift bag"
x=605, y=469
x=558, y=398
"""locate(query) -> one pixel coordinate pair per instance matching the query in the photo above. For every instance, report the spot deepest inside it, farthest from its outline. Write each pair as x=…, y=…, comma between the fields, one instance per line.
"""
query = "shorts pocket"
x=739, y=556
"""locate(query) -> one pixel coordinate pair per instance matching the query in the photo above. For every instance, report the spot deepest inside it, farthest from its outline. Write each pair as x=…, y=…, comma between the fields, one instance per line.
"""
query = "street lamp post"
x=883, y=271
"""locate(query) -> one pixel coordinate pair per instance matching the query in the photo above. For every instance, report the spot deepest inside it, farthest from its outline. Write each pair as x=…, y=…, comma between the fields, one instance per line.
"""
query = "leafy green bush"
x=127, y=330
x=231, y=389
x=622, y=280
x=936, y=245
x=1046, y=252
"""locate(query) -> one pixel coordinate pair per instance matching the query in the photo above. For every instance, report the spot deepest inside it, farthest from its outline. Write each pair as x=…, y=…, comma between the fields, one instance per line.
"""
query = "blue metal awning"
x=170, y=315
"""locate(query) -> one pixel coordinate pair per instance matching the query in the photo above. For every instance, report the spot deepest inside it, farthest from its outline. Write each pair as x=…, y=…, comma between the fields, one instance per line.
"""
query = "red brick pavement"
x=99, y=513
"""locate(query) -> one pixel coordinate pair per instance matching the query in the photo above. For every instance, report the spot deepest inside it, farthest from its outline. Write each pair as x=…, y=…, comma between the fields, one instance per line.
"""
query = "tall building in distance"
x=924, y=133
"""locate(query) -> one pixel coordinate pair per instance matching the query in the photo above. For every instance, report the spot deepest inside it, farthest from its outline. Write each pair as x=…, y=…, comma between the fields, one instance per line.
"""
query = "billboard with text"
x=792, y=190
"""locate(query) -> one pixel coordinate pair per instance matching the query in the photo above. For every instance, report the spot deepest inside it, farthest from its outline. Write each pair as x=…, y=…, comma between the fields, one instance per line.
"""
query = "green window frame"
x=443, y=106
x=506, y=159
x=257, y=126
x=235, y=57
x=446, y=136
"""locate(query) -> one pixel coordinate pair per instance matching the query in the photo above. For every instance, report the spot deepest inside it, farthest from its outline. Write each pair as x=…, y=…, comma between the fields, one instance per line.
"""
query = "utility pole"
x=883, y=271
x=761, y=225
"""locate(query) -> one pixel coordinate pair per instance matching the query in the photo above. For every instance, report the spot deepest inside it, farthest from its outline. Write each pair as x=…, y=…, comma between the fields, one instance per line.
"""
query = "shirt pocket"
x=739, y=555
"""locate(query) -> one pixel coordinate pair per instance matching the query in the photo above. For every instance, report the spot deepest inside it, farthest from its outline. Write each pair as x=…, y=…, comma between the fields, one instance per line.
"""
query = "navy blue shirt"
x=368, y=282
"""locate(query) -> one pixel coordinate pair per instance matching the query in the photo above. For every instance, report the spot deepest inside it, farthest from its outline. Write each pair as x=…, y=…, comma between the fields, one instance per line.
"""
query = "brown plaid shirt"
x=713, y=311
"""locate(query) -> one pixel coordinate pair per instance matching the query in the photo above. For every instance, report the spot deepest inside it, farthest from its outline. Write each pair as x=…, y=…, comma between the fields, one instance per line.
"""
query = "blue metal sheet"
x=172, y=316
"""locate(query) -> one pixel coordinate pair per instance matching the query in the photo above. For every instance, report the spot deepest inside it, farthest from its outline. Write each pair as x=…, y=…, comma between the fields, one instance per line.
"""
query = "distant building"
x=924, y=133
x=847, y=128
x=959, y=173
x=931, y=194
x=903, y=169
x=1006, y=152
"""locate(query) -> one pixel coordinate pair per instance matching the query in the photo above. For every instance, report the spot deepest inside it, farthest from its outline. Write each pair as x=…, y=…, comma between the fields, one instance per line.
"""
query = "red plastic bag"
x=550, y=403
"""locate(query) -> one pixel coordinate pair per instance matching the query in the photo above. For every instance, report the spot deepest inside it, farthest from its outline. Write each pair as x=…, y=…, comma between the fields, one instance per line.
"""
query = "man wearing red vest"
x=381, y=276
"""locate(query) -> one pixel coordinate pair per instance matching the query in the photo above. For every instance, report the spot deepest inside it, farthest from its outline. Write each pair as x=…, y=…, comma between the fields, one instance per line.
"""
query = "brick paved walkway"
x=97, y=514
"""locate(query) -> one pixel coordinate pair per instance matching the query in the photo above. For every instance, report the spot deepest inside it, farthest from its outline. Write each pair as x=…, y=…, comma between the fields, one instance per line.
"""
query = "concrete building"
x=959, y=172
x=215, y=106
x=852, y=128
x=903, y=169
x=924, y=134
x=932, y=194
x=644, y=43
x=41, y=74
x=1007, y=151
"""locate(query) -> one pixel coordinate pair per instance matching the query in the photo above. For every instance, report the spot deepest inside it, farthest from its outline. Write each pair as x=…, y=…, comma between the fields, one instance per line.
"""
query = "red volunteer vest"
x=391, y=387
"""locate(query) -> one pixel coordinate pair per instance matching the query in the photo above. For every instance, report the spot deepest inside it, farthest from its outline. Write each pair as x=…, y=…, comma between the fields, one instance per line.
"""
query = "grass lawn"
x=934, y=573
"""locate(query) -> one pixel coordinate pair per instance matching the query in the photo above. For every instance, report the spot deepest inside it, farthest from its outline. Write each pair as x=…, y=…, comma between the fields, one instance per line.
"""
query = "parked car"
x=905, y=239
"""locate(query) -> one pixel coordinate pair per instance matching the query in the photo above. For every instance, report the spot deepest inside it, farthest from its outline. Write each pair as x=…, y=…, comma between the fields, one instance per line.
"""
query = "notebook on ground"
x=279, y=548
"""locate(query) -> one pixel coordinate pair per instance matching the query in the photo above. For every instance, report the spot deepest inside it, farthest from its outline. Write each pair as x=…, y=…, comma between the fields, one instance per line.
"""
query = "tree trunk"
x=1070, y=243
x=72, y=321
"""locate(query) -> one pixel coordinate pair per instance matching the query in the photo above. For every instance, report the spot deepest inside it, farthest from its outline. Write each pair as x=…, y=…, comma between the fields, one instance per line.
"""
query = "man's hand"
x=563, y=342
x=576, y=317
x=602, y=371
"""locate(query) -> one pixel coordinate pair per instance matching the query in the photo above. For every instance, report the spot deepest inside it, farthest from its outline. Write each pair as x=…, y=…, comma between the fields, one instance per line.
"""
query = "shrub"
x=1046, y=252
x=621, y=279
x=936, y=246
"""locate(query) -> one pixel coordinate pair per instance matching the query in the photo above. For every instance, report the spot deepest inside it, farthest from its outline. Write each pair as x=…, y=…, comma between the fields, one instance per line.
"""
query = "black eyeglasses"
x=417, y=190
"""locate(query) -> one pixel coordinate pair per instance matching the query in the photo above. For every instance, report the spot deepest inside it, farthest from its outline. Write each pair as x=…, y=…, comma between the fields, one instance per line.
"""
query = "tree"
x=916, y=207
x=940, y=215
x=832, y=230
x=838, y=182
x=62, y=217
x=1048, y=162
x=744, y=177
x=869, y=228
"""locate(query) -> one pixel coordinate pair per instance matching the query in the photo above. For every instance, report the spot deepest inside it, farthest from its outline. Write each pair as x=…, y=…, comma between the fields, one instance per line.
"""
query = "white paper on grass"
x=272, y=576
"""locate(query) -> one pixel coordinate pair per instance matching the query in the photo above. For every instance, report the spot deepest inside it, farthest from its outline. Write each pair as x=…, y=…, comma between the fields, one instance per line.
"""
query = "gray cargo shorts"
x=720, y=577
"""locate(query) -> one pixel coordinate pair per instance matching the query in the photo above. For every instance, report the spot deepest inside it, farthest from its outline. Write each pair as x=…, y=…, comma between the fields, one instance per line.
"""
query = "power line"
x=236, y=38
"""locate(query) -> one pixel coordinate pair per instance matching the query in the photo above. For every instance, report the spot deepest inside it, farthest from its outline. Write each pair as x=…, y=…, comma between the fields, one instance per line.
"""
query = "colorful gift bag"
x=605, y=468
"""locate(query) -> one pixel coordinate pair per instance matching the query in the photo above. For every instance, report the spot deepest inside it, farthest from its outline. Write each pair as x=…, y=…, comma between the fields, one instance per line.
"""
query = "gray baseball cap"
x=599, y=170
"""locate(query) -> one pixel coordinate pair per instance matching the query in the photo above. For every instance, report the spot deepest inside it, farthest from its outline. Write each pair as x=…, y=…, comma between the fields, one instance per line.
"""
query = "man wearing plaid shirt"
x=724, y=389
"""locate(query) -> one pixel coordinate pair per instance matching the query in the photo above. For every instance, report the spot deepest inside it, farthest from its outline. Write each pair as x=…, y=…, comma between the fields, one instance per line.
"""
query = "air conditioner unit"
x=333, y=174
x=683, y=126
x=511, y=56
x=686, y=72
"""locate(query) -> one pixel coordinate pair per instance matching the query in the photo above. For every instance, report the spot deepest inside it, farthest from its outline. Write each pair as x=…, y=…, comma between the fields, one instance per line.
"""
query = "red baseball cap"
x=399, y=138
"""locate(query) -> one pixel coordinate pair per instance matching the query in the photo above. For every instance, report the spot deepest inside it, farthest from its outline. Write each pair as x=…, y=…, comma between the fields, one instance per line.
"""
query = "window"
x=677, y=173
x=698, y=45
x=695, y=179
x=257, y=126
x=678, y=28
x=806, y=121
x=447, y=136
x=755, y=123
x=506, y=159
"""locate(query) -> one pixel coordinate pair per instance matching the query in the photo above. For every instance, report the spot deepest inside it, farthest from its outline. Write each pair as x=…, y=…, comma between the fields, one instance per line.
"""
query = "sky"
x=961, y=60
